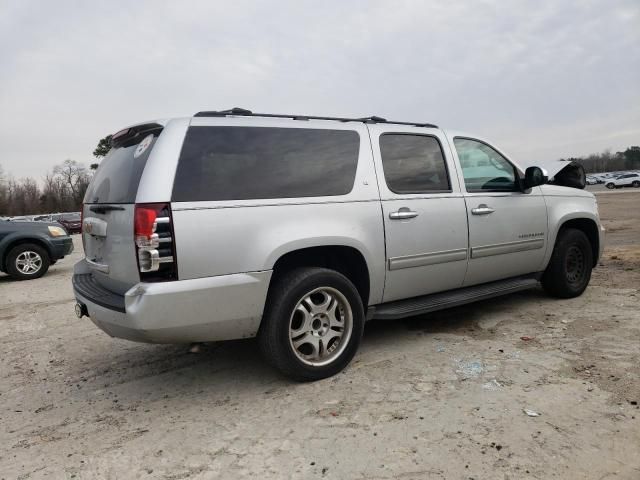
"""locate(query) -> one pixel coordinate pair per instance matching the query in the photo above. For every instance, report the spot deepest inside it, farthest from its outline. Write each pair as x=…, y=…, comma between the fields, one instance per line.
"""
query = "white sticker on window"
x=143, y=145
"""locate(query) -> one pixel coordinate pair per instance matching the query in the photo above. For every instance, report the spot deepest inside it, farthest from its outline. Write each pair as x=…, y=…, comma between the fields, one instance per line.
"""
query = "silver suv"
x=298, y=229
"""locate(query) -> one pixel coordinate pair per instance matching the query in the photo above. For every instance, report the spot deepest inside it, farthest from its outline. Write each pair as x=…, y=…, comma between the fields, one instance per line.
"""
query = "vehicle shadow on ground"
x=239, y=366
x=458, y=320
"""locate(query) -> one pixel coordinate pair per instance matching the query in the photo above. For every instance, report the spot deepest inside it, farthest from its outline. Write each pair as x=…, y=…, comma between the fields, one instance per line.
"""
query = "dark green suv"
x=27, y=249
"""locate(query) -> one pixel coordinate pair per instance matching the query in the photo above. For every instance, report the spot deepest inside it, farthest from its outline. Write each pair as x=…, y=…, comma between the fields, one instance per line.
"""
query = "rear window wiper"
x=104, y=208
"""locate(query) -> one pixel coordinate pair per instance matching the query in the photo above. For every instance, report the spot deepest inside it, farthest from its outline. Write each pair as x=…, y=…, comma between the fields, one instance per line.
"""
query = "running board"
x=453, y=298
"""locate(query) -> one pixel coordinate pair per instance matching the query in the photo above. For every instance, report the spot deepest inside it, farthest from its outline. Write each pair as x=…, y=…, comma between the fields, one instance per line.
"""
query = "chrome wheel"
x=28, y=262
x=320, y=326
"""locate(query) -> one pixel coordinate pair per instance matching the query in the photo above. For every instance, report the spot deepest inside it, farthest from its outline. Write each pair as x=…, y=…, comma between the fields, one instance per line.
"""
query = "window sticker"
x=143, y=145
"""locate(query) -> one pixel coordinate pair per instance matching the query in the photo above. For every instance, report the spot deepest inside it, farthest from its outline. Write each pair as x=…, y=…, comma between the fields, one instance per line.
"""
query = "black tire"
x=17, y=271
x=610, y=186
x=284, y=296
x=569, y=269
x=635, y=184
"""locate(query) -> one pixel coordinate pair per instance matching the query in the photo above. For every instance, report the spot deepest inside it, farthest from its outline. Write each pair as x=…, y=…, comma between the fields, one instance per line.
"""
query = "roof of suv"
x=241, y=112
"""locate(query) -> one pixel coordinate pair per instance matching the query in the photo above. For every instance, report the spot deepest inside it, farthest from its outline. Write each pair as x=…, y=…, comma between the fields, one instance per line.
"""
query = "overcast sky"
x=540, y=79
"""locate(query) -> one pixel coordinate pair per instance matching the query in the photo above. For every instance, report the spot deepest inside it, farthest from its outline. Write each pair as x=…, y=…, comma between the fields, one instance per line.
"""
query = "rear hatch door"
x=109, y=209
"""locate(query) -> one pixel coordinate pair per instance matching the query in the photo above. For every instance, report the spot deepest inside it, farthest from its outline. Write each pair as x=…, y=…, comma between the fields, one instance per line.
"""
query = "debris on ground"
x=492, y=385
x=470, y=369
x=531, y=413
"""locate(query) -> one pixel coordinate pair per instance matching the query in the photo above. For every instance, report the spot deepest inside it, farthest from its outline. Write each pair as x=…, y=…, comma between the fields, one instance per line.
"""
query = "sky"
x=540, y=79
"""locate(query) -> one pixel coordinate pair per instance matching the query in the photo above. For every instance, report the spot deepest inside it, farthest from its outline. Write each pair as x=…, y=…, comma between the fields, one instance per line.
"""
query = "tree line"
x=610, y=162
x=62, y=188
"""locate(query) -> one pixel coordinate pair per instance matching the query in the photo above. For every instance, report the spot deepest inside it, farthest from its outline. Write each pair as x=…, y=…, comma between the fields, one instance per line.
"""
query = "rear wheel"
x=635, y=184
x=27, y=261
x=569, y=269
x=610, y=186
x=312, y=324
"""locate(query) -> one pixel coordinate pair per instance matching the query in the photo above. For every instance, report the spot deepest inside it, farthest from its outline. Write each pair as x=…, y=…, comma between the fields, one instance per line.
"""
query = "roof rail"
x=241, y=112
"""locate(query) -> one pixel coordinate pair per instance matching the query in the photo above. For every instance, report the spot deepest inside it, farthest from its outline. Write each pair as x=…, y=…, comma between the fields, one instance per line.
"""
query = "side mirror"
x=534, y=176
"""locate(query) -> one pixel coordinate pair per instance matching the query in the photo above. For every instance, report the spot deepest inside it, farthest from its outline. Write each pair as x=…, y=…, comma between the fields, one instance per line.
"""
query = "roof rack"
x=241, y=112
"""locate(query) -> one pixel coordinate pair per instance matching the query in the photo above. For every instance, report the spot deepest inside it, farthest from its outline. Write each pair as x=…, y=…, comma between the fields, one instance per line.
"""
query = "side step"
x=453, y=298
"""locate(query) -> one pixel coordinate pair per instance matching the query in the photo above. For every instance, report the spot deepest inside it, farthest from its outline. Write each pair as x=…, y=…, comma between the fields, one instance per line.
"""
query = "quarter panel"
x=225, y=240
x=236, y=236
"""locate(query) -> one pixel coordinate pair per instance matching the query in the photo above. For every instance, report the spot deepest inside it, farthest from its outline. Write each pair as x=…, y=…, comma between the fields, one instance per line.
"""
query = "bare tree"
x=75, y=177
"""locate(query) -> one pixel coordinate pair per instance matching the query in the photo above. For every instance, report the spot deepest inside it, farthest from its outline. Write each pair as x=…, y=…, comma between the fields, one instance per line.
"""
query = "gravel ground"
x=437, y=396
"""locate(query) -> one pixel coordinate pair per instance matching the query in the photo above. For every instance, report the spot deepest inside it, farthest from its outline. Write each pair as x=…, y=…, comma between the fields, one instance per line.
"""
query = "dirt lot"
x=439, y=396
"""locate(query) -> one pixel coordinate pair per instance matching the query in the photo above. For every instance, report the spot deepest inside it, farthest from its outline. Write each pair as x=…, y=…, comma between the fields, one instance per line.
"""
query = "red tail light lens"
x=145, y=220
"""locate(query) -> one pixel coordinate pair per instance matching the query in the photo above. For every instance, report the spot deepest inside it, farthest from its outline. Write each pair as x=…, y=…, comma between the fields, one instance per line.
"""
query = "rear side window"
x=244, y=163
x=119, y=173
x=413, y=164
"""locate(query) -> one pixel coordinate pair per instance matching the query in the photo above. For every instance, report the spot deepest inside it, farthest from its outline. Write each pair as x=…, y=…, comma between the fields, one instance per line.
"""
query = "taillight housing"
x=155, y=242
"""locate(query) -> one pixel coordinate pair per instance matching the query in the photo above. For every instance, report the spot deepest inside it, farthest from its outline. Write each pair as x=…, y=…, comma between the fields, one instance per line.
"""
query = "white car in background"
x=625, y=180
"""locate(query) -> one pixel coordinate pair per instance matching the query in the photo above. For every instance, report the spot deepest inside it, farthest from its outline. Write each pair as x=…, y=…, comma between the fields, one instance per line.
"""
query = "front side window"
x=483, y=168
x=245, y=163
x=413, y=164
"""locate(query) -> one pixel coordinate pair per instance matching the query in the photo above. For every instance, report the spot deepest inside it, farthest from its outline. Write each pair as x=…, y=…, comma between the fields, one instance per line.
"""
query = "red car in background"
x=70, y=221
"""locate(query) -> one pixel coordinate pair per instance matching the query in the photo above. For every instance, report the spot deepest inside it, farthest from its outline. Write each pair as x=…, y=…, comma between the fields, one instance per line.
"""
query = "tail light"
x=155, y=244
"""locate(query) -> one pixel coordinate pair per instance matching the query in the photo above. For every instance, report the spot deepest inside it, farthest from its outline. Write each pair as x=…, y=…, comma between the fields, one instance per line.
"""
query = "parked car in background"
x=27, y=249
x=626, y=180
x=297, y=229
x=591, y=180
x=72, y=221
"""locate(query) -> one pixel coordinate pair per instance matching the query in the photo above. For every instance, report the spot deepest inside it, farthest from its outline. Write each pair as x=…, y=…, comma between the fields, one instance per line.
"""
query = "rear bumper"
x=61, y=247
x=209, y=309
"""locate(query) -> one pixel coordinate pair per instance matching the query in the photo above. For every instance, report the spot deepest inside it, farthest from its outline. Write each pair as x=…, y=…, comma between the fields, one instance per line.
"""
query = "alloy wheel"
x=320, y=326
x=28, y=262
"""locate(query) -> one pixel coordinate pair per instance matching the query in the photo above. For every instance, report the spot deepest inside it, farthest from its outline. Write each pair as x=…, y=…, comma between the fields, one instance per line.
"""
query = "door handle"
x=482, y=209
x=403, y=214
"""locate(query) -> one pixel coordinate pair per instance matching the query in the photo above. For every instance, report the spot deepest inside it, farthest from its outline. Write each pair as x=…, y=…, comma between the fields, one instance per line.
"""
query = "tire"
x=295, y=315
x=27, y=261
x=635, y=184
x=569, y=269
x=610, y=186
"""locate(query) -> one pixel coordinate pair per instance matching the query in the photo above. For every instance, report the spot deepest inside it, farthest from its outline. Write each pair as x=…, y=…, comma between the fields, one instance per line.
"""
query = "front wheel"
x=313, y=323
x=610, y=186
x=569, y=269
x=27, y=261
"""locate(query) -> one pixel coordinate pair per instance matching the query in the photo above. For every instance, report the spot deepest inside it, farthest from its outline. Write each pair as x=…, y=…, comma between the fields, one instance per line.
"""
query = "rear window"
x=119, y=173
x=244, y=163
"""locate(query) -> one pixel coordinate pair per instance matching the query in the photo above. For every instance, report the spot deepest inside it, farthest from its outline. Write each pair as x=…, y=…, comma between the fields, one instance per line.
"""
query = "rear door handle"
x=482, y=209
x=403, y=214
